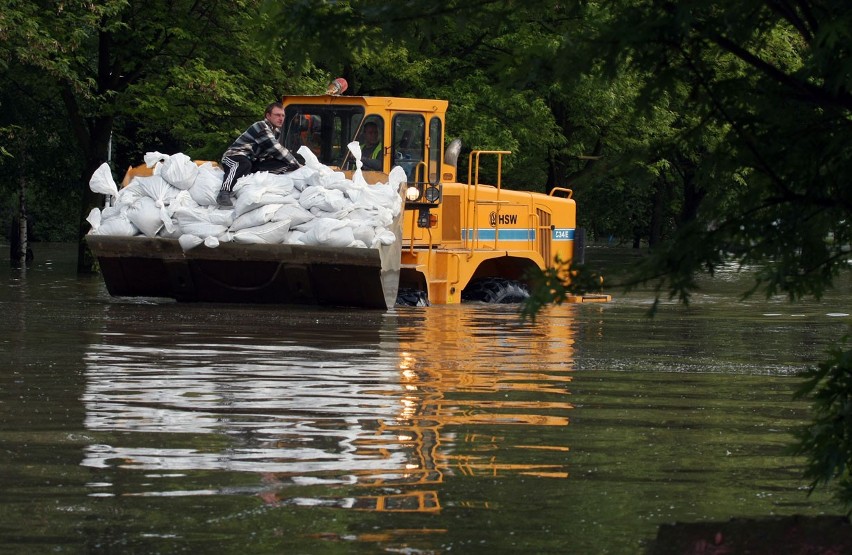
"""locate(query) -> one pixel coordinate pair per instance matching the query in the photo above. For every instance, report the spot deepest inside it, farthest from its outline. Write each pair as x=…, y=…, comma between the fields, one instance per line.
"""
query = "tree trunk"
x=89, y=200
x=20, y=252
x=655, y=233
x=93, y=136
x=693, y=194
x=97, y=153
x=23, y=240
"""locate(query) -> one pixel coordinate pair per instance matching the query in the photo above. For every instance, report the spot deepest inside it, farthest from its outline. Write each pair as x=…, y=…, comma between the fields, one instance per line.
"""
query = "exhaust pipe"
x=451, y=153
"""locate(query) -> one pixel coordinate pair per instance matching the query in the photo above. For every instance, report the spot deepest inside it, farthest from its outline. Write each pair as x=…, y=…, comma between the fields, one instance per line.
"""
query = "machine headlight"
x=433, y=194
x=412, y=194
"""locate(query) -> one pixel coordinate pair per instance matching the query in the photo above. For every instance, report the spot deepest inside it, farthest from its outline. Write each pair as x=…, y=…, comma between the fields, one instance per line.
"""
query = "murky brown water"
x=129, y=426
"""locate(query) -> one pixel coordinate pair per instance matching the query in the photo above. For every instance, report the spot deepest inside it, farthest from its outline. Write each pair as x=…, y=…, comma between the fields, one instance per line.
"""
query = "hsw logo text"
x=503, y=219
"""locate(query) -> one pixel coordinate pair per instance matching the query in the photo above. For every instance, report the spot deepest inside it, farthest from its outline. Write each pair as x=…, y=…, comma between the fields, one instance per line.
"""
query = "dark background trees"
x=89, y=82
x=691, y=128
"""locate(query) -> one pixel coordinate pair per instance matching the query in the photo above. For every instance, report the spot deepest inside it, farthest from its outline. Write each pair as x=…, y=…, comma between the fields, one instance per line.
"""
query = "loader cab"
x=325, y=130
x=411, y=132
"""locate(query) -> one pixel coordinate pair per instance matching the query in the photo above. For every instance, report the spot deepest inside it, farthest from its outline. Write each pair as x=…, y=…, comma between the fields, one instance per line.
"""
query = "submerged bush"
x=827, y=440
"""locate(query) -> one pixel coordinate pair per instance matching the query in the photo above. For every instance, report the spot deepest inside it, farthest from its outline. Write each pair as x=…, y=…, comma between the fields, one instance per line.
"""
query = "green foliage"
x=516, y=121
x=778, y=120
x=763, y=110
x=827, y=440
x=42, y=161
x=128, y=78
x=555, y=285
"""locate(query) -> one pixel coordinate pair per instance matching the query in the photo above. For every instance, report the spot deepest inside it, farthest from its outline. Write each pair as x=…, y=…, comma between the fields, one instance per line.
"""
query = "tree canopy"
x=715, y=132
x=126, y=77
x=709, y=132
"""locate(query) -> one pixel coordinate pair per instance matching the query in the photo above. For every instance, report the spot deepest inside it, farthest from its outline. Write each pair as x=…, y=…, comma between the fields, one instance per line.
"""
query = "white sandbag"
x=384, y=236
x=155, y=160
x=203, y=229
x=248, y=180
x=311, y=162
x=271, y=182
x=396, y=177
x=191, y=209
x=376, y=216
x=207, y=185
x=295, y=213
x=301, y=177
x=218, y=216
x=94, y=218
x=182, y=200
x=156, y=187
x=327, y=200
x=211, y=242
x=362, y=231
x=329, y=232
x=295, y=237
x=251, y=200
x=358, y=175
x=270, y=233
x=342, y=237
x=116, y=224
x=259, y=188
x=381, y=195
x=332, y=180
x=119, y=226
x=315, y=222
x=188, y=241
x=128, y=195
x=145, y=215
x=172, y=231
x=112, y=211
x=342, y=214
x=102, y=181
x=257, y=217
x=179, y=171
x=203, y=221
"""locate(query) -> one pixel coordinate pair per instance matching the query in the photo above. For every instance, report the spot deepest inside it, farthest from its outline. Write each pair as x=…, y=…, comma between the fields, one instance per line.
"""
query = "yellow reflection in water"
x=464, y=378
x=448, y=394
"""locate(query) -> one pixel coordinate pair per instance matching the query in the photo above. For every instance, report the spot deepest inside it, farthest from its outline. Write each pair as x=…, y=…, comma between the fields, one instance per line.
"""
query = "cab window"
x=326, y=130
x=409, y=144
x=371, y=140
x=436, y=140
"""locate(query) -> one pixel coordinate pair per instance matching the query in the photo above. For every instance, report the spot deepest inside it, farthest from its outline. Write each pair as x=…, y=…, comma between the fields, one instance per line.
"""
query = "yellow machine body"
x=454, y=232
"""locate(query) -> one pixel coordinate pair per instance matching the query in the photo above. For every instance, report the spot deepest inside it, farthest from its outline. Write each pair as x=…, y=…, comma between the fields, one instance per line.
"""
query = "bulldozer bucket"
x=249, y=273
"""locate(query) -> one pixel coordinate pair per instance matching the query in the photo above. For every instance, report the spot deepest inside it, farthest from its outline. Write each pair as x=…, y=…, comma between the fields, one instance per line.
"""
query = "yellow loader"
x=456, y=241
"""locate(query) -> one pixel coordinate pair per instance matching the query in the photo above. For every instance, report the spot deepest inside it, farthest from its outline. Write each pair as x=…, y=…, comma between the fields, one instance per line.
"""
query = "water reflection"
x=235, y=429
x=319, y=399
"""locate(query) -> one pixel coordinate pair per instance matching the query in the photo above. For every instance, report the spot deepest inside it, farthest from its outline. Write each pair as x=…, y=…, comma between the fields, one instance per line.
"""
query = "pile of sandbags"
x=313, y=205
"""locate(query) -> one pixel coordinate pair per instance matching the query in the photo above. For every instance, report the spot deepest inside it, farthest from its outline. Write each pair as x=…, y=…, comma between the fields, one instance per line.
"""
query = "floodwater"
x=131, y=426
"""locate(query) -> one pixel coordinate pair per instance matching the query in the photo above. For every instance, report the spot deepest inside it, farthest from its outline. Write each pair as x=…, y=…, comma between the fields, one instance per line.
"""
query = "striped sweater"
x=258, y=142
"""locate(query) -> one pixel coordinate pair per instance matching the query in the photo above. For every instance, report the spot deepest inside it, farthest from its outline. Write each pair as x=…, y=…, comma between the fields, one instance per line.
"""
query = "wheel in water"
x=411, y=297
x=495, y=291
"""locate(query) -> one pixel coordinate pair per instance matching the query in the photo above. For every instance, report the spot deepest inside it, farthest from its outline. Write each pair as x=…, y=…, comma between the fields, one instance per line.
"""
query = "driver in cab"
x=371, y=147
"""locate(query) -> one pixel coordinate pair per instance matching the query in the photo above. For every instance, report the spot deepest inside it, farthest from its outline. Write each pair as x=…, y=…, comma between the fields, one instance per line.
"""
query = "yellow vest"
x=376, y=152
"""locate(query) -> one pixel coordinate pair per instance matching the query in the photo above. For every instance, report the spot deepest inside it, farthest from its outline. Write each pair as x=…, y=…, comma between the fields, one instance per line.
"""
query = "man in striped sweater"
x=257, y=149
